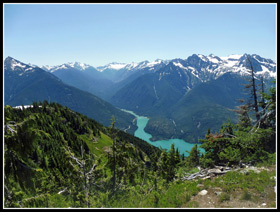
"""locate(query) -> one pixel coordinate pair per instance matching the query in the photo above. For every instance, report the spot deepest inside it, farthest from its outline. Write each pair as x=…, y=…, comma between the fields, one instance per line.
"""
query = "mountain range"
x=182, y=97
x=24, y=84
x=186, y=97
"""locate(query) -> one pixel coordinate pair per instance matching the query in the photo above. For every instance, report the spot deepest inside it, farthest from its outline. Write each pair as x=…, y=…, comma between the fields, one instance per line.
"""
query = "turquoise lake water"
x=164, y=144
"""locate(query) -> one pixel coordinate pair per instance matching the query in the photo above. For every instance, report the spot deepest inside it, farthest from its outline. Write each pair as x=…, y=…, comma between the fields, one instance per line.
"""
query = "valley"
x=183, y=146
x=66, y=147
x=183, y=98
x=58, y=158
x=139, y=106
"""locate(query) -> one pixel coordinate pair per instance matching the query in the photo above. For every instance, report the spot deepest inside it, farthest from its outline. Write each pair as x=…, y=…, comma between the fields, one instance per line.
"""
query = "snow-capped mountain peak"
x=117, y=66
x=17, y=66
x=210, y=67
x=239, y=64
x=233, y=57
x=69, y=65
x=46, y=67
x=202, y=57
x=214, y=59
x=79, y=66
x=111, y=66
x=133, y=65
x=14, y=64
x=203, y=67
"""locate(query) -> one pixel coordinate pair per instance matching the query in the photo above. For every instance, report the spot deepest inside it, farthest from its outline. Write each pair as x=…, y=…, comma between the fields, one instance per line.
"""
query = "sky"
x=98, y=34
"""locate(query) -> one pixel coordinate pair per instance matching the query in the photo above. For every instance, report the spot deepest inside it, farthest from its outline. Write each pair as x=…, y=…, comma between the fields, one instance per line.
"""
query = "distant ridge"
x=24, y=84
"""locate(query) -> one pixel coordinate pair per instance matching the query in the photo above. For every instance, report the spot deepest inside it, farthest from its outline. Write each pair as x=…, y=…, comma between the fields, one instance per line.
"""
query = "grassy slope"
x=249, y=190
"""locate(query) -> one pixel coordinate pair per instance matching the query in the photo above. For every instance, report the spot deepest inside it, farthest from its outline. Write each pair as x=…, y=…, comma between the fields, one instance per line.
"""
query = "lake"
x=182, y=145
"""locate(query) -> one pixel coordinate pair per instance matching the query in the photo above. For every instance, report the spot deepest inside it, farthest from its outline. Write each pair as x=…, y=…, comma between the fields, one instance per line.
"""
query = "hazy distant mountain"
x=102, y=81
x=24, y=84
x=82, y=76
x=105, y=81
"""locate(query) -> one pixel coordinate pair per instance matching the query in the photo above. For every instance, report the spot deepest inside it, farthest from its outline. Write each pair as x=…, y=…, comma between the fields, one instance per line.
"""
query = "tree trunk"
x=254, y=92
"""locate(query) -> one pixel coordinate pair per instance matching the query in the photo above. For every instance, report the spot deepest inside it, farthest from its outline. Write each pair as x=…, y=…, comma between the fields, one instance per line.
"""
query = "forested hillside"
x=50, y=149
x=57, y=158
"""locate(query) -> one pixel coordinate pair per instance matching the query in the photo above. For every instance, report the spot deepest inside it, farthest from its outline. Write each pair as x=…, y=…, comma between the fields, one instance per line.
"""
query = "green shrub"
x=192, y=204
x=224, y=197
x=246, y=196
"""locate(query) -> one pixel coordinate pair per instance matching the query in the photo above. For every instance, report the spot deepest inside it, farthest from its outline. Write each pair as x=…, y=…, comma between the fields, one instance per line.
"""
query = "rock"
x=251, y=168
x=200, y=185
x=255, y=169
x=264, y=204
x=218, y=193
x=263, y=168
x=203, y=192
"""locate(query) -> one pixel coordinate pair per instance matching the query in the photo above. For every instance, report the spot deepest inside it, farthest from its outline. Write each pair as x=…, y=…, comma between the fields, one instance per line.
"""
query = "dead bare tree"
x=252, y=86
x=87, y=174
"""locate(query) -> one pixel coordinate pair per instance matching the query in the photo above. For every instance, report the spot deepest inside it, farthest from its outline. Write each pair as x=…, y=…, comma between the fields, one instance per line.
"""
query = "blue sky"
x=97, y=34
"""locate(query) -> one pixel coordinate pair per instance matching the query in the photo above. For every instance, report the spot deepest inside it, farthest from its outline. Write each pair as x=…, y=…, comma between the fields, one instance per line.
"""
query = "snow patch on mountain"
x=79, y=66
x=46, y=67
x=15, y=64
x=202, y=57
x=163, y=74
x=232, y=57
x=213, y=60
x=18, y=66
x=71, y=65
x=179, y=65
x=265, y=72
x=114, y=66
x=156, y=62
x=117, y=66
x=133, y=66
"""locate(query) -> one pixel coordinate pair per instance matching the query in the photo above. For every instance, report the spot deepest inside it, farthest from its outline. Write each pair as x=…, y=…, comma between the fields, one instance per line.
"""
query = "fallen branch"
x=218, y=170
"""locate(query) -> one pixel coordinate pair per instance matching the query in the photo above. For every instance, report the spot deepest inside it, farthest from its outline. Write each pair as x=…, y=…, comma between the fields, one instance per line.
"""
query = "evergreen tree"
x=193, y=158
x=172, y=163
x=268, y=118
x=243, y=115
x=177, y=156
